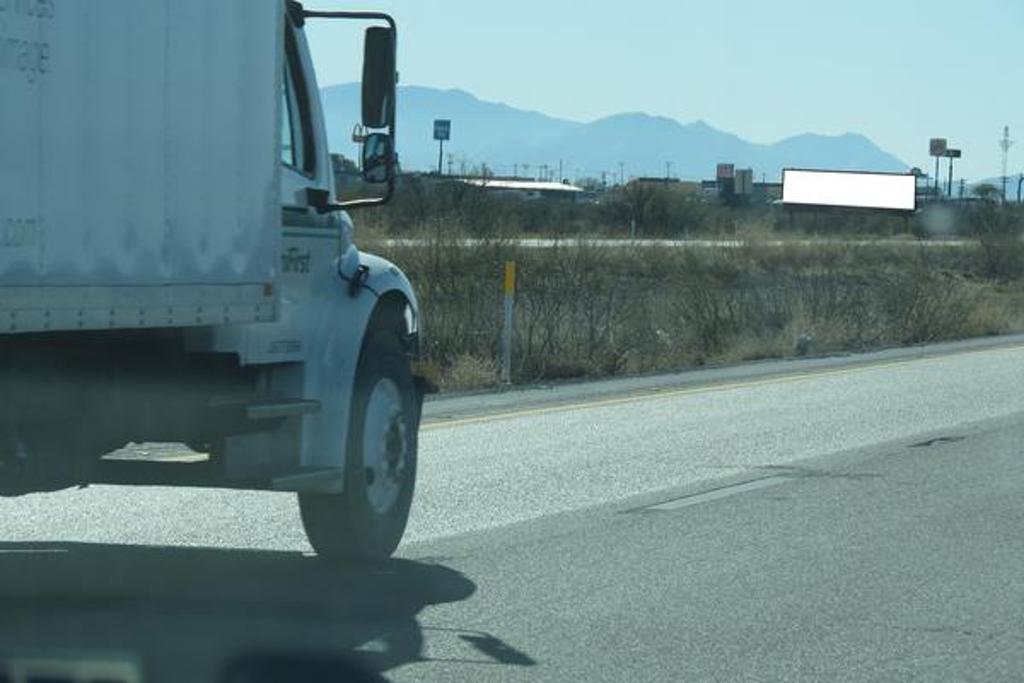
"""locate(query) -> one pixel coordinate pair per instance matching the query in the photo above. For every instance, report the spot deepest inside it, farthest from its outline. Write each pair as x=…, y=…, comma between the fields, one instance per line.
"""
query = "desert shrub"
x=467, y=372
x=584, y=310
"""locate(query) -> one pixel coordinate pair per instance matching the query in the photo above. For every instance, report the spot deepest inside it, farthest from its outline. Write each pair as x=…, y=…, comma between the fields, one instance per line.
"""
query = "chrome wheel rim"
x=385, y=446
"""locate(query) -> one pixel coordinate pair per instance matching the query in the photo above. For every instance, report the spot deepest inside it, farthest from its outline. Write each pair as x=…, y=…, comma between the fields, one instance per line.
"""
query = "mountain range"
x=510, y=140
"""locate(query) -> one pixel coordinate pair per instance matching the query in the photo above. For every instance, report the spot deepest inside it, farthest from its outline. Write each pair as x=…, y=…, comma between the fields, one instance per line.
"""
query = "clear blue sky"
x=896, y=71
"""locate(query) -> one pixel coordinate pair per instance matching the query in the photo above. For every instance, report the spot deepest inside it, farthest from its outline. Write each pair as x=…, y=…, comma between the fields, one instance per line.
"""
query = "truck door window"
x=287, y=128
x=297, y=150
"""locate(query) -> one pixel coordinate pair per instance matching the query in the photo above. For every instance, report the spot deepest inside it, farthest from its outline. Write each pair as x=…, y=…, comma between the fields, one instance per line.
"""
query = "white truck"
x=174, y=266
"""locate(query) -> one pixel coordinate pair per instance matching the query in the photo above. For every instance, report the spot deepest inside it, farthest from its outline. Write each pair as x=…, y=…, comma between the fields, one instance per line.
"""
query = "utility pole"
x=1004, y=144
x=668, y=170
x=622, y=173
x=560, y=176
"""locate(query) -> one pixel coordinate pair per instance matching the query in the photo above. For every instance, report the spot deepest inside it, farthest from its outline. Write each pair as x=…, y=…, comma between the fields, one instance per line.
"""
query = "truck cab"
x=237, y=317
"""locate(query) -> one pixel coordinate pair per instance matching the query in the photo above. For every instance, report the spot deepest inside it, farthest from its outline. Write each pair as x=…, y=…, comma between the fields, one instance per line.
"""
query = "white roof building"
x=530, y=188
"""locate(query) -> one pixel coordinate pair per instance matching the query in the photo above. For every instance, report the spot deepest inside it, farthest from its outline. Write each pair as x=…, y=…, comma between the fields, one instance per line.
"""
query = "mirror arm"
x=320, y=199
x=367, y=203
x=366, y=16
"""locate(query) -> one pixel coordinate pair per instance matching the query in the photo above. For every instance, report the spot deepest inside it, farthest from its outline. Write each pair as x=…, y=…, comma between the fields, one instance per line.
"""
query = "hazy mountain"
x=504, y=137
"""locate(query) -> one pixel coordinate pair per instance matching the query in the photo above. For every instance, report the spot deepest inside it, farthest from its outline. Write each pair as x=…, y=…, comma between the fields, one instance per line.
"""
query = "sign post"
x=937, y=148
x=442, y=132
x=951, y=154
x=359, y=137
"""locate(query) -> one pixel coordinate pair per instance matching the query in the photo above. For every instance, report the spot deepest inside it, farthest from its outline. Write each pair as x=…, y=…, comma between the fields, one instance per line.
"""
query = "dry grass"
x=466, y=372
x=588, y=311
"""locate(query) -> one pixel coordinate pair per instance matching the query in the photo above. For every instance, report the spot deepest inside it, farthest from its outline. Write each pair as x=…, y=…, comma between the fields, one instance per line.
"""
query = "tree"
x=986, y=191
x=343, y=164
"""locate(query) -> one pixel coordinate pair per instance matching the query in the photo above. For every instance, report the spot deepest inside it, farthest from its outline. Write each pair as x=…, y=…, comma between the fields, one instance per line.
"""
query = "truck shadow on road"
x=205, y=606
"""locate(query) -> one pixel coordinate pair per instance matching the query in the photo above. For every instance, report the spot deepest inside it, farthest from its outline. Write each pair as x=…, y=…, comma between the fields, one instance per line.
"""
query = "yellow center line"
x=655, y=394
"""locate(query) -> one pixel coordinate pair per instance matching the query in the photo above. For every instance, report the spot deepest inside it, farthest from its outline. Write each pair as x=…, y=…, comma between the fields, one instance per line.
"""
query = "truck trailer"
x=175, y=267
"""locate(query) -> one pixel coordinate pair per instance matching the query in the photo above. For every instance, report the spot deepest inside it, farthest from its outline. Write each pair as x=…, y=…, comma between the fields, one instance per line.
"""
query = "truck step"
x=271, y=409
x=275, y=410
x=319, y=480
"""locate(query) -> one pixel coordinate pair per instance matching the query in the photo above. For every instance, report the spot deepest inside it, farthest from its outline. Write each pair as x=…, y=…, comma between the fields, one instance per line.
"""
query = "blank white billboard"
x=860, y=190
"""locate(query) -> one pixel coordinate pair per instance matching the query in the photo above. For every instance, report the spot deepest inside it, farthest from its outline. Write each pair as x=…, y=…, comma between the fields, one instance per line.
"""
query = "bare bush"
x=583, y=310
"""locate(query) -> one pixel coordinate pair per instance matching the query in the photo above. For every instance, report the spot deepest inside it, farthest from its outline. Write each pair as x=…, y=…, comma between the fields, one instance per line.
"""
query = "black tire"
x=348, y=526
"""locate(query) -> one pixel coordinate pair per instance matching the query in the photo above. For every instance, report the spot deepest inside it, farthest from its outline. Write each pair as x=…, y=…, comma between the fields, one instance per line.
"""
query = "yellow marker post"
x=510, y=278
x=506, y=336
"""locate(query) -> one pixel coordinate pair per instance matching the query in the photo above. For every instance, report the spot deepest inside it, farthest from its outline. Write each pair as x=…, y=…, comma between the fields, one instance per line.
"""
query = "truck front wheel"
x=367, y=520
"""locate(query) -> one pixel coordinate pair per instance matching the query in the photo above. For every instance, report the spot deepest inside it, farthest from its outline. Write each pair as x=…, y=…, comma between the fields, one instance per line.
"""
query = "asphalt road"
x=850, y=518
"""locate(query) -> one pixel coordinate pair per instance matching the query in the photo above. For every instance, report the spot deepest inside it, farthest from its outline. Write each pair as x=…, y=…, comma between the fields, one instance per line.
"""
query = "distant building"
x=766, y=192
x=655, y=180
x=760, y=193
x=675, y=184
x=527, y=189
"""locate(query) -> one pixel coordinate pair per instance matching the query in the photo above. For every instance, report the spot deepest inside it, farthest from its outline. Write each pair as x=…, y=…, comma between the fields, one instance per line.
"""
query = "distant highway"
x=550, y=243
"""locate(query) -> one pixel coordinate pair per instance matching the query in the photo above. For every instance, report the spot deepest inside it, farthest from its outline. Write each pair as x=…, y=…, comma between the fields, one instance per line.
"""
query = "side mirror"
x=378, y=158
x=379, y=77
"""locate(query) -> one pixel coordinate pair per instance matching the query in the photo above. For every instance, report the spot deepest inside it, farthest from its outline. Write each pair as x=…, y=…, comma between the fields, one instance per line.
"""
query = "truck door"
x=310, y=241
x=300, y=151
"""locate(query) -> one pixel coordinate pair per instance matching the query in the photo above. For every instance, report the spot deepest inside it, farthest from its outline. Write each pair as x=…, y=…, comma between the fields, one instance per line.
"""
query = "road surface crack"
x=937, y=440
x=797, y=471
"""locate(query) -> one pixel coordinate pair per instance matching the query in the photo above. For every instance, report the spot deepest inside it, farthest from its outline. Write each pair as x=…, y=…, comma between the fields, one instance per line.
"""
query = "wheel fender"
x=336, y=324
x=385, y=277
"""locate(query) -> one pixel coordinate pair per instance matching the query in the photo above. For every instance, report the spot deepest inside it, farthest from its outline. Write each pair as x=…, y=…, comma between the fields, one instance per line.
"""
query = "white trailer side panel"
x=139, y=162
